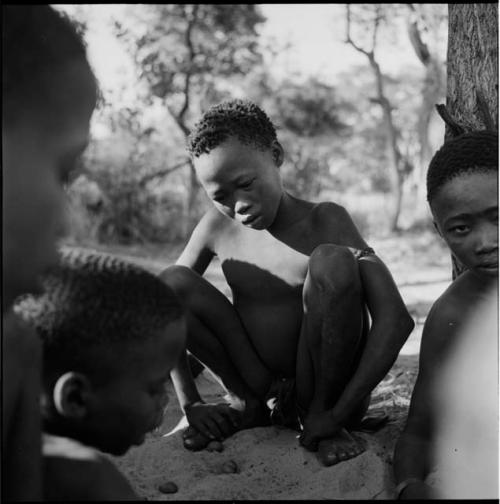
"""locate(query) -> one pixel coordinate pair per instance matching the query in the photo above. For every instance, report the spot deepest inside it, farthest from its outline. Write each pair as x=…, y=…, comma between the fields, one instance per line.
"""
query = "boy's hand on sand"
x=215, y=421
x=317, y=426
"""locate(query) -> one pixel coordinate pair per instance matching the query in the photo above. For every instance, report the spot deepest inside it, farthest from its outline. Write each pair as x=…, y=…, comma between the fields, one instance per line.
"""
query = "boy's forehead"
x=468, y=193
x=228, y=160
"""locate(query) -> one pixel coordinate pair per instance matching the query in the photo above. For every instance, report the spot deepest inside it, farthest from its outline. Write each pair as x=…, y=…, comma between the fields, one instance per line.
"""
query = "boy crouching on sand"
x=111, y=333
x=462, y=190
x=296, y=337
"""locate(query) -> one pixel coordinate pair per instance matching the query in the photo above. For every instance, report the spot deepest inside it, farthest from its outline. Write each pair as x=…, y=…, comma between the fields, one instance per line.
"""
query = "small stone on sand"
x=169, y=487
x=215, y=446
x=229, y=467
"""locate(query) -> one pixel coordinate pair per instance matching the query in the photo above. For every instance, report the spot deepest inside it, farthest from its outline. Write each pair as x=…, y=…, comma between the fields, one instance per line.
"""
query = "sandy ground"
x=270, y=462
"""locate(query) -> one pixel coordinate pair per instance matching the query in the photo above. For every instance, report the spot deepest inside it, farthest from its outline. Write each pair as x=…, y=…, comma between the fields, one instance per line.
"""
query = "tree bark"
x=472, y=67
x=472, y=63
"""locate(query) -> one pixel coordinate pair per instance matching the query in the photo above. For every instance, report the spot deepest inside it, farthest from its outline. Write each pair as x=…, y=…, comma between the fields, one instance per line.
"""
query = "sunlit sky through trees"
x=315, y=34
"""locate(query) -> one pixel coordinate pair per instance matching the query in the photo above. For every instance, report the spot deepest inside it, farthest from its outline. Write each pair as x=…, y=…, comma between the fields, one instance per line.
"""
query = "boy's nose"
x=487, y=240
x=241, y=207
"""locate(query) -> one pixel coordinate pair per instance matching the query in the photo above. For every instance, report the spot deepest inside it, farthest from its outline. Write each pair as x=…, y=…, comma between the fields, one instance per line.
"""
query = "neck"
x=286, y=215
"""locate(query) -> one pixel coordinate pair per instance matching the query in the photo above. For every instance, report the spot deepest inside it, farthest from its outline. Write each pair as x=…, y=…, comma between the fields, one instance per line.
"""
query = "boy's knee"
x=333, y=266
x=177, y=277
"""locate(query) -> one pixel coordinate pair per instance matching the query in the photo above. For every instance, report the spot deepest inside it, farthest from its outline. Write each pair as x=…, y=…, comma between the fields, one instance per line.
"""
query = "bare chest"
x=256, y=264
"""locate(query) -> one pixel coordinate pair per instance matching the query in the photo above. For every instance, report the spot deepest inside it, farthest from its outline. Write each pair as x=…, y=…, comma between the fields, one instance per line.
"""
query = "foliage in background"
x=138, y=184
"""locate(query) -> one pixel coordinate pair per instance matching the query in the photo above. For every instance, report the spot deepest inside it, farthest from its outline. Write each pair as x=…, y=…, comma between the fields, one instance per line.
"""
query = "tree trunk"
x=472, y=63
x=433, y=89
x=396, y=157
x=472, y=67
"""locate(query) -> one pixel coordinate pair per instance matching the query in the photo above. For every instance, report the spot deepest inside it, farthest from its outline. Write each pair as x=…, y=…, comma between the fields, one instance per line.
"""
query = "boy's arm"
x=200, y=248
x=412, y=455
x=183, y=381
x=214, y=421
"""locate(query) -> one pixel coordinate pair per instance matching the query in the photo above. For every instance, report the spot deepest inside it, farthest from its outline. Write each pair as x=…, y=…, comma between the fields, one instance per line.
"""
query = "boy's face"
x=243, y=182
x=124, y=409
x=40, y=150
x=465, y=212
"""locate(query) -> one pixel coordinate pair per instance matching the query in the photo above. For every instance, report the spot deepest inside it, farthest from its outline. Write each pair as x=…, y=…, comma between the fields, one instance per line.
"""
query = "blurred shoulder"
x=450, y=311
x=91, y=478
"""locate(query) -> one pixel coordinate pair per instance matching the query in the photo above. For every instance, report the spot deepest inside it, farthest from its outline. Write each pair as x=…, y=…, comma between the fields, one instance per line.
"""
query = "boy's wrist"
x=188, y=405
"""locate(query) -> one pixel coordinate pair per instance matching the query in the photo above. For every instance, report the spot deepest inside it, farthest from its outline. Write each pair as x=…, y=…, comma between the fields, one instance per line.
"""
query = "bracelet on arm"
x=408, y=481
x=359, y=253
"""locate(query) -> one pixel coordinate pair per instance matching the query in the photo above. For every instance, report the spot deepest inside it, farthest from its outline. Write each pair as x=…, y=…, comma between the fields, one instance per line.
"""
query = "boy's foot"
x=338, y=448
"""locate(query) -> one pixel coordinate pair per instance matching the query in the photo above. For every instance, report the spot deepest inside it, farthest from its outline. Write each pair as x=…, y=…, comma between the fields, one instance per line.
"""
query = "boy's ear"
x=278, y=153
x=71, y=394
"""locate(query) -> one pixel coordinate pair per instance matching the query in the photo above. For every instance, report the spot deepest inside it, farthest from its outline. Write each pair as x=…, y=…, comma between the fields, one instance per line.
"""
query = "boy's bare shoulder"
x=334, y=221
x=451, y=310
x=214, y=223
x=85, y=479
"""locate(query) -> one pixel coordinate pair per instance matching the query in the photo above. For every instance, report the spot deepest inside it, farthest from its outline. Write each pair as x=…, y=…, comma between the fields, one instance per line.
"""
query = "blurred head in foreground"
x=462, y=190
x=111, y=334
x=48, y=96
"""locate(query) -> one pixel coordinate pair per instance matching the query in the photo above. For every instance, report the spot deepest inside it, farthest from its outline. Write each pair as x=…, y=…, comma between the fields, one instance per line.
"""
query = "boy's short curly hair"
x=92, y=300
x=476, y=151
x=242, y=119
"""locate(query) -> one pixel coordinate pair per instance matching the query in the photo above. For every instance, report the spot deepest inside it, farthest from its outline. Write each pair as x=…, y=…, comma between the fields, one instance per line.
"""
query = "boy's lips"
x=250, y=219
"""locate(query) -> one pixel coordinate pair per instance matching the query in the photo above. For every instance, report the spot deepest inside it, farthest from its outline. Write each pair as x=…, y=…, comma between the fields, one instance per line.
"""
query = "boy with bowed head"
x=48, y=96
x=111, y=333
x=462, y=190
x=296, y=337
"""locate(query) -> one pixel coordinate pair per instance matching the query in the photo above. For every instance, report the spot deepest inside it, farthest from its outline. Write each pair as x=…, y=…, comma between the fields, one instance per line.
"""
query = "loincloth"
x=281, y=399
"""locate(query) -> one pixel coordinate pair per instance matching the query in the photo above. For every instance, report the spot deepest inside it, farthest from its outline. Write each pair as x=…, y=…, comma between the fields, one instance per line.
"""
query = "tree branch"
x=348, y=35
x=420, y=48
x=192, y=55
x=162, y=173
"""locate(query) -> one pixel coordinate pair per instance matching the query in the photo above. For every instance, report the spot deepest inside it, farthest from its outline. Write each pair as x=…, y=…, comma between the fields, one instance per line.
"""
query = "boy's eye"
x=460, y=230
x=245, y=185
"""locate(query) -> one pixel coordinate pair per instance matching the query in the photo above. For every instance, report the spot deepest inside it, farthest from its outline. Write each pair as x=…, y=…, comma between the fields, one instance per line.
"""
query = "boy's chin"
x=487, y=271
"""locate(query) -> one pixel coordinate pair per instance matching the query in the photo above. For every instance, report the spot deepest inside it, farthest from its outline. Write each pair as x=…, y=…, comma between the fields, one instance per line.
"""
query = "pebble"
x=169, y=487
x=215, y=446
x=230, y=467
